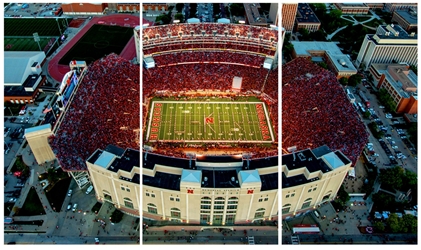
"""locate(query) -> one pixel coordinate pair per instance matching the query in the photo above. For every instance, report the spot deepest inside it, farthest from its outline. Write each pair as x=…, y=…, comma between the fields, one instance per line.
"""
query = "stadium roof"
x=193, y=176
x=104, y=159
x=17, y=65
x=249, y=176
x=38, y=129
x=333, y=160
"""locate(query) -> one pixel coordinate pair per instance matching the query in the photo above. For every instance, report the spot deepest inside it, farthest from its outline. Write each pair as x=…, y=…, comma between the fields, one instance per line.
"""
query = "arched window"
x=175, y=212
x=107, y=195
x=260, y=213
x=219, y=203
x=327, y=195
x=306, y=203
x=205, y=203
x=152, y=208
x=232, y=203
x=128, y=202
x=286, y=208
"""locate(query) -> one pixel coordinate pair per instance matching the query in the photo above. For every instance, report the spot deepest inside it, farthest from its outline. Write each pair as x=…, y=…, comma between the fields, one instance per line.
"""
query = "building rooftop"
x=393, y=34
x=305, y=14
x=163, y=180
x=304, y=48
x=409, y=15
x=261, y=163
x=17, y=65
x=129, y=160
x=269, y=181
x=149, y=160
x=220, y=179
x=253, y=14
x=403, y=80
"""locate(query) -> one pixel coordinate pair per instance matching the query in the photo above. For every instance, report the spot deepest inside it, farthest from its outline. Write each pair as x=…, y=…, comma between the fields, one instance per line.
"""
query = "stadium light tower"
x=61, y=34
x=36, y=39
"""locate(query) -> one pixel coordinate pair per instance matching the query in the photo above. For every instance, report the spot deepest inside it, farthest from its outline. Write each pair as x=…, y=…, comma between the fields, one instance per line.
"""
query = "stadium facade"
x=311, y=178
x=210, y=190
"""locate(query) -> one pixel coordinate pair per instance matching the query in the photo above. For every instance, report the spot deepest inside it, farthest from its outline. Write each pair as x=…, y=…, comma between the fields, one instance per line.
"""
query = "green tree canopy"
x=237, y=9
x=343, y=81
x=335, y=14
x=409, y=223
x=379, y=226
x=163, y=19
x=343, y=196
x=393, y=223
x=392, y=177
x=323, y=65
x=180, y=17
x=354, y=80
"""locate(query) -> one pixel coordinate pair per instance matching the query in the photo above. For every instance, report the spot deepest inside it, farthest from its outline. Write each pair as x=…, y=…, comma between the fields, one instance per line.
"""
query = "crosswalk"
x=295, y=240
x=251, y=240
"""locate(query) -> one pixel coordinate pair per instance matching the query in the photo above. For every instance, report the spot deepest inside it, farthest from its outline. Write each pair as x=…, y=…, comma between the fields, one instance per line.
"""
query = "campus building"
x=400, y=82
x=154, y=7
x=390, y=44
x=306, y=19
x=124, y=7
x=253, y=16
x=115, y=176
x=22, y=75
x=399, y=6
x=352, y=8
x=289, y=12
x=210, y=190
x=83, y=8
x=407, y=19
x=311, y=178
x=327, y=52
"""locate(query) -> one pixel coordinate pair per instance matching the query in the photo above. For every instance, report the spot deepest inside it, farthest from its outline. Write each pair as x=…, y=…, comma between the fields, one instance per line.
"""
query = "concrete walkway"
x=355, y=22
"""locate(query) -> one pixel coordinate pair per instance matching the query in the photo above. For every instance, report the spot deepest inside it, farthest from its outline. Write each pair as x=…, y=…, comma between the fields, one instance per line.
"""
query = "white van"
x=316, y=213
x=89, y=190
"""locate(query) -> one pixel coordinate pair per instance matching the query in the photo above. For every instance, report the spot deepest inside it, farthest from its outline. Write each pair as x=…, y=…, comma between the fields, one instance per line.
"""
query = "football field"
x=191, y=121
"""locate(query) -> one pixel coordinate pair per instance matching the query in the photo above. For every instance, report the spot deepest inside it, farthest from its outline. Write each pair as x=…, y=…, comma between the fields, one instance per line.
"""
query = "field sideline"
x=207, y=121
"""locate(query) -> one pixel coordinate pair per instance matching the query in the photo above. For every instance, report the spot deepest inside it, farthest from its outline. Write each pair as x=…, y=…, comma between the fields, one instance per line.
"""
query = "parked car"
x=69, y=193
x=74, y=207
x=89, y=190
x=96, y=241
x=395, y=147
x=69, y=206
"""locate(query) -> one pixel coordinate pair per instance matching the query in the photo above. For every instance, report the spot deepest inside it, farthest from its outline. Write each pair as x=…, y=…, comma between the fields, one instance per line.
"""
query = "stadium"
x=209, y=124
x=93, y=125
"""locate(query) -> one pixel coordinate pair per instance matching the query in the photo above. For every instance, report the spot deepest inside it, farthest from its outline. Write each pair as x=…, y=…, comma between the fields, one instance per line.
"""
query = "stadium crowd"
x=209, y=56
x=206, y=45
x=316, y=111
x=221, y=29
x=105, y=110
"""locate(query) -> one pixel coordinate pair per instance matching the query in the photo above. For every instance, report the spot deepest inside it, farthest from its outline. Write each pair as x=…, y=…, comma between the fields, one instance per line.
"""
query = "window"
x=287, y=196
x=218, y=207
x=147, y=194
x=230, y=219
x=293, y=194
x=286, y=208
x=233, y=200
x=327, y=196
x=205, y=206
x=260, y=213
x=108, y=197
x=232, y=207
x=205, y=211
x=231, y=211
x=152, y=208
x=219, y=200
x=177, y=199
x=266, y=199
x=128, y=203
x=171, y=198
x=175, y=212
x=128, y=190
x=306, y=203
x=217, y=219
x=260, y=199
x=122, y=188
x=206, y=200
x=314, y=189
x=309, y=190
x=218, y=212
x=153, y=195
x=204, y=218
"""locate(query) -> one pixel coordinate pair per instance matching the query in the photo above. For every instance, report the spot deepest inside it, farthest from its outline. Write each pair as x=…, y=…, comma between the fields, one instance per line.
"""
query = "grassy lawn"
x=361, y=18
x=32, y=205
x=209, y=121
x=98, y=41
x=57, y=192
x=374, y=23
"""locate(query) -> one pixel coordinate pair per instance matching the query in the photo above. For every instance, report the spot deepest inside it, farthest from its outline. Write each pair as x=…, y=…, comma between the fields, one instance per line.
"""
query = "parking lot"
x=32, y=10
x=393, y=148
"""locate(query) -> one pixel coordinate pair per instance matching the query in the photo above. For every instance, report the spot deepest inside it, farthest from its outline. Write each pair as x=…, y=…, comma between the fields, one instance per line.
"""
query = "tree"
x=354, y=80
x=379, y=226
x=343, y=81
x=409, y=223
x=366, y=115
x=180, y=17
x=163, y=19
x=320, y=7
x=335, y=14
x=393, y=223
x=343, y=196
x=237, y=9
x=305, y=34
x=414, y=69
x=392, y=177
x=323, y=65
x=179, y=7
x=413, y=132
x=383, y=200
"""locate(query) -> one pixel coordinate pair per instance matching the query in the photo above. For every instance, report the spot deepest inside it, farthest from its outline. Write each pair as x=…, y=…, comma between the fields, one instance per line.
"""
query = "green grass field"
x=28, y=26
x=98, y=41
x=24, y=44
x=193, y=121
